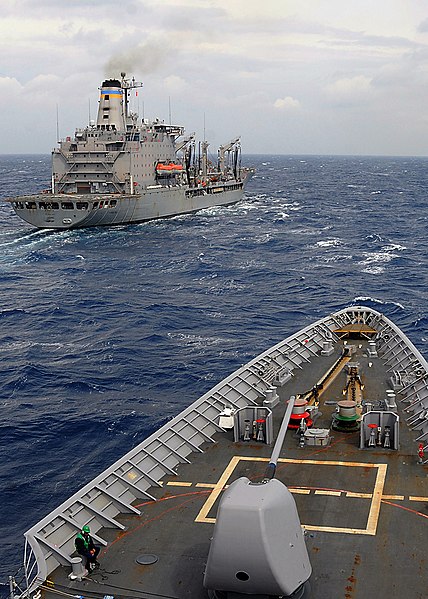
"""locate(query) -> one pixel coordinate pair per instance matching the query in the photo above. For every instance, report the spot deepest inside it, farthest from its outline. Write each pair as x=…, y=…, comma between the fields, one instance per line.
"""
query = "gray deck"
x=366, y=536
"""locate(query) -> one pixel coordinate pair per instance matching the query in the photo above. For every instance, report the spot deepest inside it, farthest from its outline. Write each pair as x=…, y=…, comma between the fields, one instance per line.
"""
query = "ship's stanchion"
x=12, y=586
x=302, y=430
x=260, y=426
x=247, y=436
x=372, y=437
x=387, y=441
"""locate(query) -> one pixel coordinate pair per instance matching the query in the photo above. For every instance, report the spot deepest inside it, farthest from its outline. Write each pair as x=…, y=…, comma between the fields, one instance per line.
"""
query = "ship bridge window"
x=113, y=203
x=30, y=205
x=67, y=205
x=19, y=205
x=82, y=205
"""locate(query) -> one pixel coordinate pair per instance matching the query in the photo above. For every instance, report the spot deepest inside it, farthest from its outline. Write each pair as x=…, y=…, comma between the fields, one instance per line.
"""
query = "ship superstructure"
x=122, y=169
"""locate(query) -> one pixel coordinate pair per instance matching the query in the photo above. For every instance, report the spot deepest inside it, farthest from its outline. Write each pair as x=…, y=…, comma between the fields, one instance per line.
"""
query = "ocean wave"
x=109, y=332
x=374, y=300
x=329, y=243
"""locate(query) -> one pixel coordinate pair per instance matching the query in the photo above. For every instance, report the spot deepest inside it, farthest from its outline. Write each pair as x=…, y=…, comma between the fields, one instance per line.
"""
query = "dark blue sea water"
x=106, y=333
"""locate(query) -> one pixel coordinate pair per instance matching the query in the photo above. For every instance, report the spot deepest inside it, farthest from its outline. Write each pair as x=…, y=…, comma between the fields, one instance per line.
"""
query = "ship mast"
x=127, y=85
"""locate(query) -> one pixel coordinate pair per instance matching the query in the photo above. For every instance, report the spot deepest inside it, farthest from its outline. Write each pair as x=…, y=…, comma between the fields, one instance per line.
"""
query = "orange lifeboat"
x=169, y=169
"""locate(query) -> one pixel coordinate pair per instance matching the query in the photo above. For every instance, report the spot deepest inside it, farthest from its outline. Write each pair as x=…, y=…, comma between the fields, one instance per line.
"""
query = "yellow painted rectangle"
x=376, y=496
x=415, y=498
x=300, y=491
x=205, y=485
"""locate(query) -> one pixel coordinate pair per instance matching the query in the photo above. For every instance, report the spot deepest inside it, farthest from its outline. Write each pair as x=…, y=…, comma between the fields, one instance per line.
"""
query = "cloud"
x=174, y=83
x=9, y=85
x=43, y=84
x=423, y=26
x=349, y=90
x=287, y=103
x=233, y=61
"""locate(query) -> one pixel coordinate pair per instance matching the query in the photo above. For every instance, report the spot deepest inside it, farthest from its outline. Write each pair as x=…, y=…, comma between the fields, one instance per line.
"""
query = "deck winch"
x=346, y=418
x=348, y=414
x=300, y=413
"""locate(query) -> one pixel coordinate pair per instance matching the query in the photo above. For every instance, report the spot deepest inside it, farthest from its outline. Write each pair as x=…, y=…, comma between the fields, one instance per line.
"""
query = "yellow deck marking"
x=178, y=484
x=203, y=514
x=323, y=383
x=397, y=497
x=359, y=495
x=414, y=498
x=299, y=491
x=376, y=496
x=349, y=531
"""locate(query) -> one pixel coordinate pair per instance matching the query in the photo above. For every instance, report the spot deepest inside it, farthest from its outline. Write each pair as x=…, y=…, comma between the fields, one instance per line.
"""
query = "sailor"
x=86, y=548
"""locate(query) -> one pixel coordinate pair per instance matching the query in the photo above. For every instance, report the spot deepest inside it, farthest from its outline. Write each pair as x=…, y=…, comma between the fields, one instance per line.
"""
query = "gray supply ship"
x=302, y=474
x=122, y=170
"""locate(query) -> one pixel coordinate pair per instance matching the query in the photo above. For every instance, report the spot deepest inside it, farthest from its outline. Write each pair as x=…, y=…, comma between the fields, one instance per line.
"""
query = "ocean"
x=107, y=333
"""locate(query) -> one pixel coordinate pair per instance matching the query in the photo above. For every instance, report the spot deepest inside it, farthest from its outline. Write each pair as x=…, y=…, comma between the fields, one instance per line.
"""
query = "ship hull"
x=77, y=211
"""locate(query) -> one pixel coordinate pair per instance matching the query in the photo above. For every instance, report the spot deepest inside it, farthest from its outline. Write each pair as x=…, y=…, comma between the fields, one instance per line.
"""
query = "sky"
x=287, y=76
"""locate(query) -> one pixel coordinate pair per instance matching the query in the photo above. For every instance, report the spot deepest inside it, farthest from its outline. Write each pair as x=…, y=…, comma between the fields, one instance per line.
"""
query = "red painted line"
x=405, y=508
x=171, y=509
x=174, y=497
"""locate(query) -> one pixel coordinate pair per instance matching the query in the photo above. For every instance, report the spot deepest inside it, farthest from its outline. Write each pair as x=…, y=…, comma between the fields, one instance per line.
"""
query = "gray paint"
x=258, y=544
x=117, y=171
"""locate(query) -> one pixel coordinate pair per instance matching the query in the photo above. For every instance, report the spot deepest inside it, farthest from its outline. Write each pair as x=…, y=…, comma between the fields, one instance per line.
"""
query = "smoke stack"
x=111, y=108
